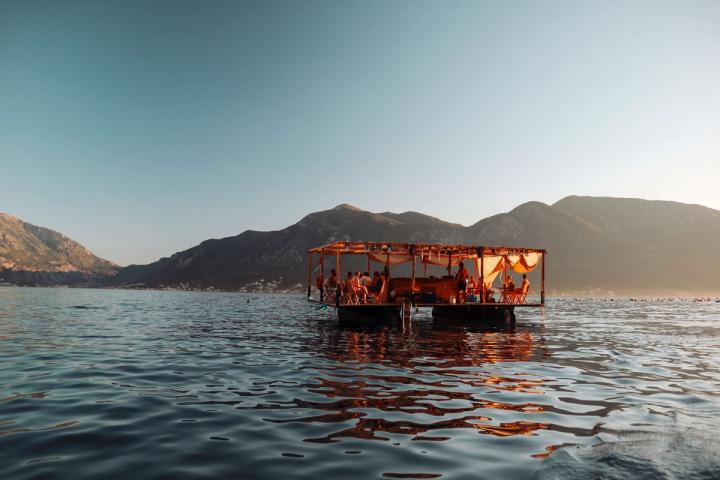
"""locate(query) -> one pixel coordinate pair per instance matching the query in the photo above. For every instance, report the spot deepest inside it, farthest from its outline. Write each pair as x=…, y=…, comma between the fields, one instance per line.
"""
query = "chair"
x=349, y=297
x=521, y=294
x=330, y=294
x=380, y=296
x=507, y=295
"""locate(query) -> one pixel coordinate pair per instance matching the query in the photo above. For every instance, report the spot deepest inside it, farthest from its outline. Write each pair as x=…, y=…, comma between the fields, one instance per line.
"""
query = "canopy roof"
x=419, y=249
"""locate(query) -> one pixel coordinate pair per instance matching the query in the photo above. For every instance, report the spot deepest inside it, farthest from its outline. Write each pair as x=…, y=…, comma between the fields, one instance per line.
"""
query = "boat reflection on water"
x=450, y=344
x=423, y=381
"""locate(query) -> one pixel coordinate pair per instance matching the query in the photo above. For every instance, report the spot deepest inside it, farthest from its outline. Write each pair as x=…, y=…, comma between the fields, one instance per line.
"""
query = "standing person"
x=461, y=276
x=320, y=283
x=333, y=280
x=349, y=289
x=376, y=283
x=331, y=286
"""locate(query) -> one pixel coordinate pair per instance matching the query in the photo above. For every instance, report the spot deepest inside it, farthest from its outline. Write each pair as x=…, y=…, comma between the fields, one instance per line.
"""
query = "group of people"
x=512, y=294
x=362, y=288
x=470, y=290
x=356, y=288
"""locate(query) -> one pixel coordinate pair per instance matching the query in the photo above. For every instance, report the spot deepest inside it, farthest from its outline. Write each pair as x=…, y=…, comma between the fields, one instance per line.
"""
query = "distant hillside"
x=280, y=257
x=609, y=244
x=32, y=255
x=654, y=243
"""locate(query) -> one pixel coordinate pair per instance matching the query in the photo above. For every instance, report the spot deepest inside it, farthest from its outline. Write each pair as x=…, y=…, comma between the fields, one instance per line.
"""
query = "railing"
x=329, y=296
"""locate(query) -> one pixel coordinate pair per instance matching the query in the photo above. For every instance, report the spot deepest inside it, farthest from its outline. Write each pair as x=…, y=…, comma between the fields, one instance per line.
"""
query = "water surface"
x=207, y=385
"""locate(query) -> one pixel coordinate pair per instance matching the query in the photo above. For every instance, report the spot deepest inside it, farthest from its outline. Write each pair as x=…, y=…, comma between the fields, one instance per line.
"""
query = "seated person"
x=489, y=295
x=360, y=290
x=365, y=280
x=520, y=293
x=525, y=285
x=509, y=284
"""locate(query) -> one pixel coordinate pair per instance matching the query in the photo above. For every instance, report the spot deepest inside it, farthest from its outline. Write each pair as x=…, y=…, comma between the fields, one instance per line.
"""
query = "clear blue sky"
x=143, y=128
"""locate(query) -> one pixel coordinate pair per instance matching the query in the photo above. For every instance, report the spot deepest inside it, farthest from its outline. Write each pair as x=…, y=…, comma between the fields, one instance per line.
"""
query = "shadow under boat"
x=454, y=342
x=475, y=312
x=369, y=314
x=374, y=314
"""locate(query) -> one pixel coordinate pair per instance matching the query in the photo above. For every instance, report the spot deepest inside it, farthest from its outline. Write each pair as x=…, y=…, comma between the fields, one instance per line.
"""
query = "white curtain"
x=523, y=263
x=492, y=265
x=394, y=258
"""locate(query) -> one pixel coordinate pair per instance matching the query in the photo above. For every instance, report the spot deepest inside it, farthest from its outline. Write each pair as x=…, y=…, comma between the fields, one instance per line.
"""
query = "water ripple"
x=194, y=385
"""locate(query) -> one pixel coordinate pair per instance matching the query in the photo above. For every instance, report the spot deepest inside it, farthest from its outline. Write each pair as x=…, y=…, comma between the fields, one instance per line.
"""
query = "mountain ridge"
x=594, y=243
x=588, y=247
x=30, y=254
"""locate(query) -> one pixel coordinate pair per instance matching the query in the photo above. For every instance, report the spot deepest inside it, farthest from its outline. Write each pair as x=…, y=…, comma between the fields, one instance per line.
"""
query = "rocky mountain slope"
x=279, y=258
x=32, y=255
x=593, y=242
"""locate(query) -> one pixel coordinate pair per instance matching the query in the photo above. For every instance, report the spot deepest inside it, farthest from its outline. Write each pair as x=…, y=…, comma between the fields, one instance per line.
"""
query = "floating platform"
x=451, y=295
x=388, y=313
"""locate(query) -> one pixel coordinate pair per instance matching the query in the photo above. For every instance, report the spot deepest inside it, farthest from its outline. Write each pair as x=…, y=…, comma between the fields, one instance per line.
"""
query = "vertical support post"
x=337, y=264
x=476, y=270
x=482, y=274
x=322, y=276
x=450, y=264
x=412, y=278
x=542, y=281
x=337, y=269
x=505, y=293
x=309, y=275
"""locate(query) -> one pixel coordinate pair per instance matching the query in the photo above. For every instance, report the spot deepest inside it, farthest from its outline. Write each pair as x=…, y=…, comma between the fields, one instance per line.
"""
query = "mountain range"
x=32, y=255
x=594, y=244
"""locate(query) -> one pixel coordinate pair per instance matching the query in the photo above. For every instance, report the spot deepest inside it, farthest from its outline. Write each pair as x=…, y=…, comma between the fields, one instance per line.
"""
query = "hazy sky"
x=142, y=128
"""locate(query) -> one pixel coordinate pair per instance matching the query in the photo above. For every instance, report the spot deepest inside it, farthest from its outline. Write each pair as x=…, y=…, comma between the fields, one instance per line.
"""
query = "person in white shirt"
x=365, y=280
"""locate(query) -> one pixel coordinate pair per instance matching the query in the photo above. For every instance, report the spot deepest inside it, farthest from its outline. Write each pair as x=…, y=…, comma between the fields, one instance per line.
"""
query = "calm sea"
x=141, y=384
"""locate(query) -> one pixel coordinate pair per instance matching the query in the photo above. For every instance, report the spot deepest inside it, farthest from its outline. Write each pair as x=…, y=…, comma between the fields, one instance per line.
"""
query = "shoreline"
x=637, y=295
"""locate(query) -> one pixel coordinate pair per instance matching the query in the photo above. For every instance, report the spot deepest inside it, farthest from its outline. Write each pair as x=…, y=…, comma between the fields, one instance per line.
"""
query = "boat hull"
x=358, y=314
x=468, y=312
